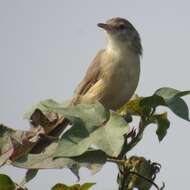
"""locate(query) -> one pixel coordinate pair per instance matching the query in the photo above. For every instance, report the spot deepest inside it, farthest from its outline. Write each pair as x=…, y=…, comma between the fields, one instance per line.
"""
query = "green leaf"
x=163, y=125
x=94, y=113
x=85, y=186
x=92, y=159
x=90, y=128
x=168, y=93
x=174, y=102
x=152, y=101
x=133, y=107
x=90, y=115
x=170, y=98
x=6, y=183
x=30, y=174
x=44, y=107
x=109, y=138
x=87, y=129
x=179, y=107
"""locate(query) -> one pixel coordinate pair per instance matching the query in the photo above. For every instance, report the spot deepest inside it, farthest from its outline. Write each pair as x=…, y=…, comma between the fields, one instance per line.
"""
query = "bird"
x=113, y=75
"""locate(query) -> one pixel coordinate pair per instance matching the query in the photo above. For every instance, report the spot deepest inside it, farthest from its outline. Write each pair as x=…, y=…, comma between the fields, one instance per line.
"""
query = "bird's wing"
x=92, y=75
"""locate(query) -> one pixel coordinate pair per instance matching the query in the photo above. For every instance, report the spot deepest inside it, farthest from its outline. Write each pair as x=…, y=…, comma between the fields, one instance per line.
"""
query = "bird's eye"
x=121, y=26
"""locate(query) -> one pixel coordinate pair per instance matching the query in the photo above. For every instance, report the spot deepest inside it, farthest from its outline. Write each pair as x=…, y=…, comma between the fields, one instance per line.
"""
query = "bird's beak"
x=105, y=26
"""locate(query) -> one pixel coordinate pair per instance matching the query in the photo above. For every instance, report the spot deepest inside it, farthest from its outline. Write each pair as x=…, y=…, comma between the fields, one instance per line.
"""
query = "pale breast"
x=119, y=79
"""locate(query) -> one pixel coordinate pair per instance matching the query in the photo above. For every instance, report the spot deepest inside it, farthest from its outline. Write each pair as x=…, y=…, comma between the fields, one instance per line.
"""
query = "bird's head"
x=121, y=31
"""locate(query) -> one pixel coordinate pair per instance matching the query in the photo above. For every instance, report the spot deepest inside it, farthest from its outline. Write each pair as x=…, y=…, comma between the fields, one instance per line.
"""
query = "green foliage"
x=88, y=135
x=108, y=138
x=163, y=125
x=170, y=98
x=85, y=186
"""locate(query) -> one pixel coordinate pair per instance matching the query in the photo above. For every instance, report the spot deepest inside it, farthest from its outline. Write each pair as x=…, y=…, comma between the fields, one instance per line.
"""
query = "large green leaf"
x=108, y=137
x=89, y=128
x=94, y=134
x=90, y=115
x=92, y=159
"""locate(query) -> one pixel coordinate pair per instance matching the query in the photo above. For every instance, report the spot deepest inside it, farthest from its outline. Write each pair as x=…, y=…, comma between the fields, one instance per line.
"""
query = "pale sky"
x=45, y=47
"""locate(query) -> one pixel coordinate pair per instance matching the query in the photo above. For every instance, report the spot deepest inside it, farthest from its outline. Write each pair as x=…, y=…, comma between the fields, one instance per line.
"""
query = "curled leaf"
x=163, y=125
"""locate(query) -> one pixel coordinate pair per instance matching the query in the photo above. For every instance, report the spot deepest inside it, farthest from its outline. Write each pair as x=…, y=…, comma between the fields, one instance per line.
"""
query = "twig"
x=123, y=182
x=116, y=160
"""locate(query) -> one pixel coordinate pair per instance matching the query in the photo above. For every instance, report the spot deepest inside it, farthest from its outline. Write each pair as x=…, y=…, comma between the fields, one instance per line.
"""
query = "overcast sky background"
x=45, y=47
